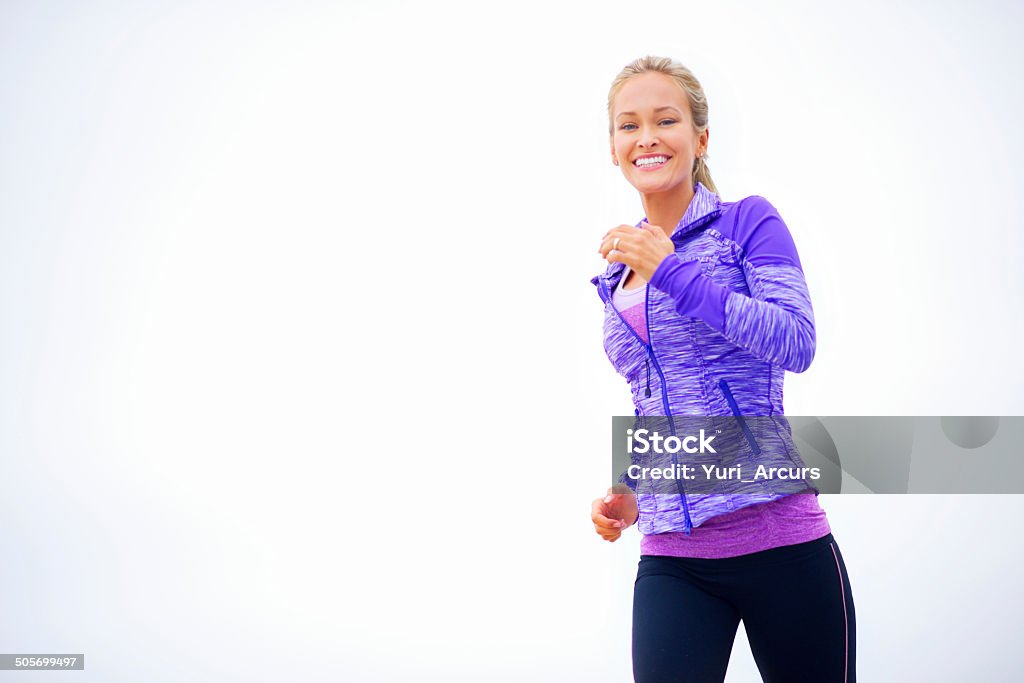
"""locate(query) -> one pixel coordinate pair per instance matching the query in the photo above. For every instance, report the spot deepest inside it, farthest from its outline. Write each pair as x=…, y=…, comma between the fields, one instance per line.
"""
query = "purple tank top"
x=787, y=521
x=632, y=304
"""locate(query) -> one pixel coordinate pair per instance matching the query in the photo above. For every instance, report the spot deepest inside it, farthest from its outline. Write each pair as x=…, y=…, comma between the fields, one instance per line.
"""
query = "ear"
x=615, y=159
x=703, y=140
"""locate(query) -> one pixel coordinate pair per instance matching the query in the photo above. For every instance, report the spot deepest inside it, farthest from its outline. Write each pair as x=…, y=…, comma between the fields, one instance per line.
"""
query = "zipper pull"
x=647, y=394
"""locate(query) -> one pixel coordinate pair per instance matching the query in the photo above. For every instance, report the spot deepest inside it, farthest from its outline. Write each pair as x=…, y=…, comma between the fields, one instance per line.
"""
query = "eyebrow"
x=633, y=113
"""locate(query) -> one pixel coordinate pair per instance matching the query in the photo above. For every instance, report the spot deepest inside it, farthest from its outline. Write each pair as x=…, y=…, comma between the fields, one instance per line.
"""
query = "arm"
x=775, y=323
x=624, y=480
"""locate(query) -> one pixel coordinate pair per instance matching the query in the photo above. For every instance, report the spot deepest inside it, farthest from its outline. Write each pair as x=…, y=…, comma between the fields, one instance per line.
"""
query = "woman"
x=706, y=307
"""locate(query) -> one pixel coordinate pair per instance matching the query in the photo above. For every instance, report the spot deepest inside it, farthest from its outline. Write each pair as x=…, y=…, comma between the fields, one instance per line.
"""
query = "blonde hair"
x=694, y=93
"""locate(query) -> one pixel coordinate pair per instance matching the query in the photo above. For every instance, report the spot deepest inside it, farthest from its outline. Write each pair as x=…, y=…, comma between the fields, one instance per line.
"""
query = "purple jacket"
x=727, y=315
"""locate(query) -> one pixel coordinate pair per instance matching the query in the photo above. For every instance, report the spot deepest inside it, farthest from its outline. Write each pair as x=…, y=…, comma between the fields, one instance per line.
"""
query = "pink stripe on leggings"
x=846, y=625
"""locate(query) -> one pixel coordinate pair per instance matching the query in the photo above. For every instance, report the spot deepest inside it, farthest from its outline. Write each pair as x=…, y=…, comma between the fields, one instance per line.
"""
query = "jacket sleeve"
x=625, y=479
x=776, y=322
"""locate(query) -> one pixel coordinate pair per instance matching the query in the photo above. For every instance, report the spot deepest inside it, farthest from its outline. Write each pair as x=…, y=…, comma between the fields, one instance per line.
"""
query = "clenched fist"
x=614, y=512
x=642, y=249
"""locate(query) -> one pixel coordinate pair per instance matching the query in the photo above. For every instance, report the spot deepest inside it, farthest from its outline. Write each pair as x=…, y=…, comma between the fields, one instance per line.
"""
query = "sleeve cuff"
x=693, y=293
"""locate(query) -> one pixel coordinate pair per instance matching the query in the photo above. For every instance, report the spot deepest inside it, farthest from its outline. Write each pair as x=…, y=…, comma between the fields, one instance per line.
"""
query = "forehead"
x=646, y=92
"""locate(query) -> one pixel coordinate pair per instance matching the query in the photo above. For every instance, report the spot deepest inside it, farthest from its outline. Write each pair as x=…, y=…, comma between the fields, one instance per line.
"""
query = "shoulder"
x=755, y=225
x=748, y=212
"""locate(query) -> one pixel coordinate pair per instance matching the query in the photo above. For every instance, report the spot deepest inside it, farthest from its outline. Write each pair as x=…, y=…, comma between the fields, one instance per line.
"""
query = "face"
x=651, y=121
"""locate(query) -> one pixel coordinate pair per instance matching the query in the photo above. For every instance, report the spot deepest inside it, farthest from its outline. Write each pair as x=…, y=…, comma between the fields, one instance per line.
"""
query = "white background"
x=301, y=372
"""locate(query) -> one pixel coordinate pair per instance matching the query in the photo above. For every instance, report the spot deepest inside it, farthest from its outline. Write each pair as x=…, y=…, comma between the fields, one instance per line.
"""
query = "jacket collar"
x=704, y=208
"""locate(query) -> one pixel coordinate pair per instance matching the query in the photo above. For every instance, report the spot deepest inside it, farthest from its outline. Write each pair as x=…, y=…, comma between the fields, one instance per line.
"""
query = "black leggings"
x=795, y=603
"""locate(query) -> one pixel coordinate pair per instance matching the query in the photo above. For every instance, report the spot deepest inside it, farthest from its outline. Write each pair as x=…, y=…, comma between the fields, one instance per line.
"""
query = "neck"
x=666, y=209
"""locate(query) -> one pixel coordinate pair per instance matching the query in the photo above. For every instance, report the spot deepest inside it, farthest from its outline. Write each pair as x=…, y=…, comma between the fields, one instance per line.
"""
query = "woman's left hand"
x=642, y=249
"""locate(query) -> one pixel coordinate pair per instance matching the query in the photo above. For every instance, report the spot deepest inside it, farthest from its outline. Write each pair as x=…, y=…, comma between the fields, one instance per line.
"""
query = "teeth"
x=651, y=160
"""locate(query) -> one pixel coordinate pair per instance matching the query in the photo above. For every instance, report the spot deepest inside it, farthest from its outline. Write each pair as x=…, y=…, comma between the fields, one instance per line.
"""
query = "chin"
x=651, y=188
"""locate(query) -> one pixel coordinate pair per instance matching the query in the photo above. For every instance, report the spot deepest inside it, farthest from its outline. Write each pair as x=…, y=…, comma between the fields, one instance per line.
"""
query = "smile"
x=651, y=163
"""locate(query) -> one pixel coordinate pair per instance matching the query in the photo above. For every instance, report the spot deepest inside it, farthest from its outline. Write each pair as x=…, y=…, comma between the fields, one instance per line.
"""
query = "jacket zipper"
x=724, y=386
x=678, y=240
x=649, y=348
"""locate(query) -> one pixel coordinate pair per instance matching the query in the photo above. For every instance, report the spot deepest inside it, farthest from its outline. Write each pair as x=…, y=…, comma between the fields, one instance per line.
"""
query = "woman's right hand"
x=613, y=513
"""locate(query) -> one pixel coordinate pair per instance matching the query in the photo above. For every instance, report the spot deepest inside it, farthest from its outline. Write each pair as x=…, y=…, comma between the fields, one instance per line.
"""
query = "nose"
x=647, y=140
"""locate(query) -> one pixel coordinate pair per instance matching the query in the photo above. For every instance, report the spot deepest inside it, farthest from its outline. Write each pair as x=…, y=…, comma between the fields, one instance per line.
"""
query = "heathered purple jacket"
x=727, y=315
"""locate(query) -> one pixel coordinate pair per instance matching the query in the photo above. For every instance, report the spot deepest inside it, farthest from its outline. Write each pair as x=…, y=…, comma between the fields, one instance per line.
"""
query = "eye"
x=663, y=122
